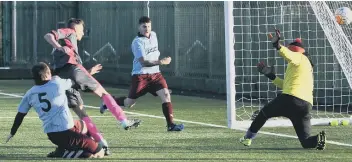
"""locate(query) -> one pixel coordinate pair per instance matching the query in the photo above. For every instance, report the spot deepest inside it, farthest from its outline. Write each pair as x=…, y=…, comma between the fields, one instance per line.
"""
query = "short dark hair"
x=144, y=19
x=39, y=73
x=72, y=22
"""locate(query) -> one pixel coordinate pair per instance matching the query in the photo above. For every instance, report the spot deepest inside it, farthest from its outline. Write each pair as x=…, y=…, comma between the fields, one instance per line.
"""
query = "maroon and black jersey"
x=66, y=37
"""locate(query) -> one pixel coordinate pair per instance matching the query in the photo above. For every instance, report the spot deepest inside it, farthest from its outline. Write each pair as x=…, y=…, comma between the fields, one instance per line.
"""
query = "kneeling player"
x=296, y=99
x=48, y=98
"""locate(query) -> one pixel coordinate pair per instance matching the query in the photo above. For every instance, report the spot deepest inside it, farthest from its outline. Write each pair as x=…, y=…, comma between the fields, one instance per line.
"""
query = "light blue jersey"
x=50, y=102
x=147, y=48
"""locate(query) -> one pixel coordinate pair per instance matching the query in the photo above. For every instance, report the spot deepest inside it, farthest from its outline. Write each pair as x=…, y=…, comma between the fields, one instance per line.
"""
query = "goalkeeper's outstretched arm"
x=292, y=54
x=269, y=72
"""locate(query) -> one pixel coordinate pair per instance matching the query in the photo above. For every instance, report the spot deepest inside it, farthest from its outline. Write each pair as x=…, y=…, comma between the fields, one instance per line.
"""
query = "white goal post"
x=327, y=43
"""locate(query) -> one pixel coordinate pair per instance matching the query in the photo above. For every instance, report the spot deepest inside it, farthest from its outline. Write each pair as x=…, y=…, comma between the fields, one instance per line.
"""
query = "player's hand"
x=275, y=40
x=64, y=49
x=8, y=138
x=96, y=69
x=268, y=71
x=165, y=61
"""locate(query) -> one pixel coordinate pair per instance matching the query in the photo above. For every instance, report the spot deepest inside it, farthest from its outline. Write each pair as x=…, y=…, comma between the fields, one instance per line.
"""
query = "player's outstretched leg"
x=117, y=111
x=252, y=131
x=273, y=109
x=86, y=82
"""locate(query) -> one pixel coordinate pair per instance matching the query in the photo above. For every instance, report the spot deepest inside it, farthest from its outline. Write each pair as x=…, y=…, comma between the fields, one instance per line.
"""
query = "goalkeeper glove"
x=268, y=71
x=275, y=40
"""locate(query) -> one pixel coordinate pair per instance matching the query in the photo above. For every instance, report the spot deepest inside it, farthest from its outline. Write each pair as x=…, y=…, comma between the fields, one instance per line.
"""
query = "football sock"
x=250, y=135
x=114, y=108
x=92, y=129
x=167, y=111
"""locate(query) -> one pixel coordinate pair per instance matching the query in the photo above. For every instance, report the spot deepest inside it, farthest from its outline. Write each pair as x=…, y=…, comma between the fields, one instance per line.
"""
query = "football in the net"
x=343, y=15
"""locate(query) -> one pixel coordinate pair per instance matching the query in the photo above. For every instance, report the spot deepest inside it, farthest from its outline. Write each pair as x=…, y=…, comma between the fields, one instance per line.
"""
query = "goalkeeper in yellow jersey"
x=296, y=99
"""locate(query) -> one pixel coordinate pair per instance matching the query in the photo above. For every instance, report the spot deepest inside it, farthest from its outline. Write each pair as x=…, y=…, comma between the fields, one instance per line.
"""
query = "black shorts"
x=287, y=106
x=74, y=98
x=79, y=75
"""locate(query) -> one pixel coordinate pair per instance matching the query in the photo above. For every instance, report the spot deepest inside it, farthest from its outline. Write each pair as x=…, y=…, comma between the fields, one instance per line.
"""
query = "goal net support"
x=328, y=44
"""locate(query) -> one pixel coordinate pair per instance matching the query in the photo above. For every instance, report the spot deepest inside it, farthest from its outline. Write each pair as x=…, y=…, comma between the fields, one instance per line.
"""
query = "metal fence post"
x=35, y=32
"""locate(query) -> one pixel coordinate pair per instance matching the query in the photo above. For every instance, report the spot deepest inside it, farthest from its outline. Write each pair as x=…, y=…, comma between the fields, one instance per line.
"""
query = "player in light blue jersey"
x=49, y=100
x=146, y=76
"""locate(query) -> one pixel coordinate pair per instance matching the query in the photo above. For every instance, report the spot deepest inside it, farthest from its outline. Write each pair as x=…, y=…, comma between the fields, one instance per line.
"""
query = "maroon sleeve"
x=62, y=33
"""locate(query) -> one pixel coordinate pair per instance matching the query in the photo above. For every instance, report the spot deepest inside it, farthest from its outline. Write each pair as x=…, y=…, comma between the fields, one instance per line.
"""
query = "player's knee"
x=84, y=127
x=165, y=95
x=305, y=144
x=308, y=142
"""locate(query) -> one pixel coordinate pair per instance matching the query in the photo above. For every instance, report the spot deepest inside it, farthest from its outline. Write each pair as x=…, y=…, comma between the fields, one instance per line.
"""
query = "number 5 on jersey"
x=41, y=100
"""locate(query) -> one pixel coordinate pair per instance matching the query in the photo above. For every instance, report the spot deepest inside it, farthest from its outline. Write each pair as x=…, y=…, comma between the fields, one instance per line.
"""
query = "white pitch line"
x=199, y=123
x=9, y=97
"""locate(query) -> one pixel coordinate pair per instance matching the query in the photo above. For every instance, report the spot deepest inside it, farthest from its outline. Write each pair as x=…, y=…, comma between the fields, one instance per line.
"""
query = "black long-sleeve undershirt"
x=17, y=123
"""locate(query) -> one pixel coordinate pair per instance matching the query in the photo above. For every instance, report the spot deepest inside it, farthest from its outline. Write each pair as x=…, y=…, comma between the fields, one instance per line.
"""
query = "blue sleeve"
x=24, y=106
x=138, y=49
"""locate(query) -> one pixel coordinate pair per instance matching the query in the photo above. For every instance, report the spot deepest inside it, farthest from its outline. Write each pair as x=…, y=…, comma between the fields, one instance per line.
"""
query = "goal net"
x=328, y=44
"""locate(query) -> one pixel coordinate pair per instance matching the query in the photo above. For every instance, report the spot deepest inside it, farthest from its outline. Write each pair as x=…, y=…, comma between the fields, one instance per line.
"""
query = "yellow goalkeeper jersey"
x=298, y=80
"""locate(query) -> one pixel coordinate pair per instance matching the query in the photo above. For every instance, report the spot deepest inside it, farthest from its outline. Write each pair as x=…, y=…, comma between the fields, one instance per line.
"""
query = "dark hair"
x=40, y=72
x=144, y=19
x=72, y=22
